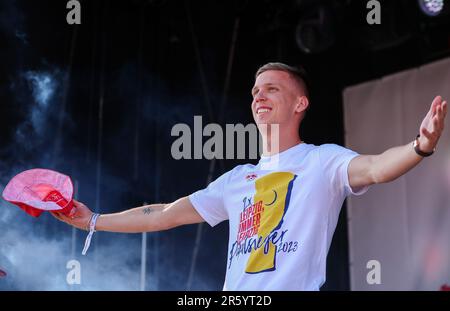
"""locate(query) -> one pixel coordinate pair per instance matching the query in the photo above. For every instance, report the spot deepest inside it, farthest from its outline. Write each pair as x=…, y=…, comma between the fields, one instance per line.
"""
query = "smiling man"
x=281, y=217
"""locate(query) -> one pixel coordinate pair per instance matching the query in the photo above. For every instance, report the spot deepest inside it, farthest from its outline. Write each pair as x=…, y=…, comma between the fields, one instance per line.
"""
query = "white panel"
x=405, y=224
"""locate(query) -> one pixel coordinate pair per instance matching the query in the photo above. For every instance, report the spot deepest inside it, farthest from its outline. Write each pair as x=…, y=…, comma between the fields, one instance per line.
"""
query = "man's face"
x=275, y=97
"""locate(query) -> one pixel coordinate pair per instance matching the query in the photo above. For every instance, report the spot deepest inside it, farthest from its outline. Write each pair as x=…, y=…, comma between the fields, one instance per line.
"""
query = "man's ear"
x=302, y=104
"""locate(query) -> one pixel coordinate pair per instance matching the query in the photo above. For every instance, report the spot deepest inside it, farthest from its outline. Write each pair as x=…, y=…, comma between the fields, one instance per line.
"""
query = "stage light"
x=315, y=31
x=431, y=7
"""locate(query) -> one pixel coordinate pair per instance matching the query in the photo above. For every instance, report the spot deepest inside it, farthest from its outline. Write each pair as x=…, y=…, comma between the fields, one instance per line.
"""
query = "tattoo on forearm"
x=147, y=210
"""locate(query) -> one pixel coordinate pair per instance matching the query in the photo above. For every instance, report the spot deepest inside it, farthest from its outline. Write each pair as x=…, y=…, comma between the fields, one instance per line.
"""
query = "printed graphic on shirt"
x=263, y=218
x=250, y=177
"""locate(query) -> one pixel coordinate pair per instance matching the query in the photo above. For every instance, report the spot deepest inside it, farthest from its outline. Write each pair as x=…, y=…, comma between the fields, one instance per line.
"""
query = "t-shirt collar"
x=287, y=152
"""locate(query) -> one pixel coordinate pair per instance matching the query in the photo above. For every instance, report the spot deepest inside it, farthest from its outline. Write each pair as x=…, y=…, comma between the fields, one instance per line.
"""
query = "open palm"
x=433, y=124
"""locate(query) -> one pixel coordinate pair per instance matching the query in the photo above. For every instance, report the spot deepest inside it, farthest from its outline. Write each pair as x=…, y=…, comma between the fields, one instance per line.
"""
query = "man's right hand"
x=80, y=219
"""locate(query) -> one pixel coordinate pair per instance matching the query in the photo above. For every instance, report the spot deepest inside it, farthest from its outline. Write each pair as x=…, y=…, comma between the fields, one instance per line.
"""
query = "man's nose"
x=260, y=97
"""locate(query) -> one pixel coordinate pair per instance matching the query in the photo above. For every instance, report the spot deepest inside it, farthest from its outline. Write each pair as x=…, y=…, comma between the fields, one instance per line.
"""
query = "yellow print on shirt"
x=274, y=190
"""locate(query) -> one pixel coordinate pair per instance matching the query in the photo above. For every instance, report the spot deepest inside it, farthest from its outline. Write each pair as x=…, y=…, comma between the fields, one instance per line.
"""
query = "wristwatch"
x=420, y=152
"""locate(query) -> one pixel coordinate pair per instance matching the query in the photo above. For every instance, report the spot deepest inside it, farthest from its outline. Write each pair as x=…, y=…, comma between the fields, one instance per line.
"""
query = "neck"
x=274, y=142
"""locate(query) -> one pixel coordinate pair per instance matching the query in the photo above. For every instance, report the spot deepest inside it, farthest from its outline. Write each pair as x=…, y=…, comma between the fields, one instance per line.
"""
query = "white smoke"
x=34, y=251
x=43, y=87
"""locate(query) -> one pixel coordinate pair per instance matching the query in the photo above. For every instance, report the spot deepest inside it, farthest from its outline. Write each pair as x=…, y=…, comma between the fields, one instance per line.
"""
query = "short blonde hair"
x=297, y=73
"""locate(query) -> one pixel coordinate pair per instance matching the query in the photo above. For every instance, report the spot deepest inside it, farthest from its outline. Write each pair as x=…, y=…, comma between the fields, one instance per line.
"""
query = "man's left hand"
x=433, y=125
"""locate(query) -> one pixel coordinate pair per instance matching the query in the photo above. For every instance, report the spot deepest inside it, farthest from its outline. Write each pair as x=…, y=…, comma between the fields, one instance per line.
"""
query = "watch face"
x=420, y=152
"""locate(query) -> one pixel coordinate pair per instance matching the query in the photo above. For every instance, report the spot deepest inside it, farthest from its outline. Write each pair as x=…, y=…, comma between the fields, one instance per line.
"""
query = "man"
x=281, y=217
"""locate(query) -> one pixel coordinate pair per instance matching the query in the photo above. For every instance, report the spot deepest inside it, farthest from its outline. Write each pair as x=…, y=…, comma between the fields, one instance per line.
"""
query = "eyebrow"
x=265, y=84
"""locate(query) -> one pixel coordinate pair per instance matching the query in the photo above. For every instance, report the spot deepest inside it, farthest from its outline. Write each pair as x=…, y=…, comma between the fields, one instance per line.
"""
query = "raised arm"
x=155, y=217
x=365, y=170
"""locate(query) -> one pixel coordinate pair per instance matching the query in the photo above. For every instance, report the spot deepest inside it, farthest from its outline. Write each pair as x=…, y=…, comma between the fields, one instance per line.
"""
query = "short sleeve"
x=335, y=161
x=209, y=202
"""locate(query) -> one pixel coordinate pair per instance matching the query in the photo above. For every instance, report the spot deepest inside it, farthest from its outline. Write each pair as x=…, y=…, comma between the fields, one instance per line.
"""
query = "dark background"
x=134, y=69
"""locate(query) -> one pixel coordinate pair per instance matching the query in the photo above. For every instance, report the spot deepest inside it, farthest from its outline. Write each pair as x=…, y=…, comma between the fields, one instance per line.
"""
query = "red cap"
x=38, y=190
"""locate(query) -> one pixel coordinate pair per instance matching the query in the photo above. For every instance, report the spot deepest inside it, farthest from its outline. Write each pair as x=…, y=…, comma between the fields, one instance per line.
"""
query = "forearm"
x=394, y=162
x=140, y=219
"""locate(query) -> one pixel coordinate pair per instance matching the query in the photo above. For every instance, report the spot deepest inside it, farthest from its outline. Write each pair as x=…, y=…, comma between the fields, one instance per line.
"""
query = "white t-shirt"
x=281, y=218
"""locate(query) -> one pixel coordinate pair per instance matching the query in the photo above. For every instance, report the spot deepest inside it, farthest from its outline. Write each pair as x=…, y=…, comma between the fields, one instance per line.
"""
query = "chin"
x=265, y=122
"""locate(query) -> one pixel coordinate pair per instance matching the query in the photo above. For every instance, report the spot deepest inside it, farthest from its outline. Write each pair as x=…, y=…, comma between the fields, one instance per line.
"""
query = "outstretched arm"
x=366, y=170
x=155, y=217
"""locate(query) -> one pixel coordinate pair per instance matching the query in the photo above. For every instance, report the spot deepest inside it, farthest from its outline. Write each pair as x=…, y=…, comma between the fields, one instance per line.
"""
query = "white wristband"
x=92, y=223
